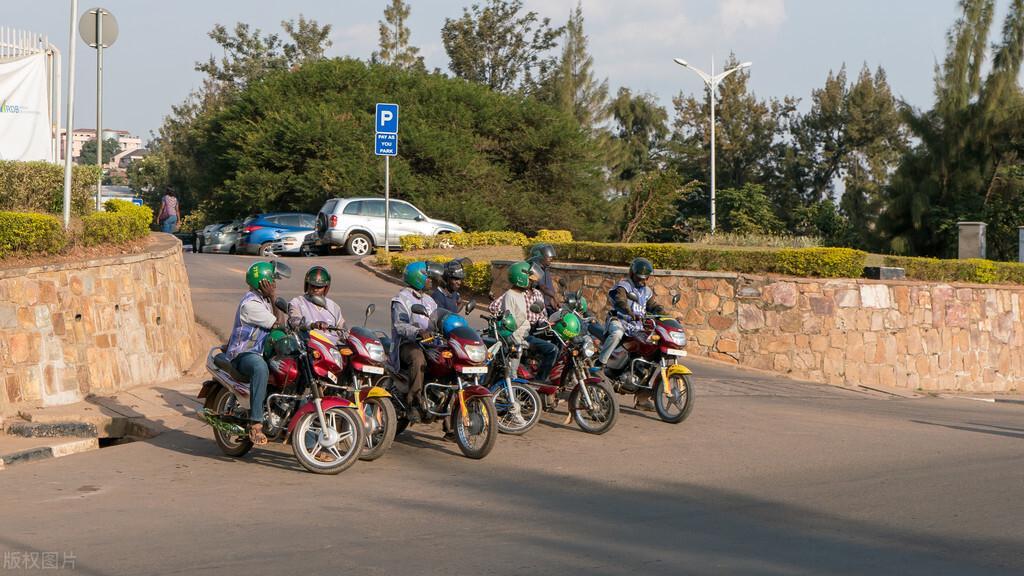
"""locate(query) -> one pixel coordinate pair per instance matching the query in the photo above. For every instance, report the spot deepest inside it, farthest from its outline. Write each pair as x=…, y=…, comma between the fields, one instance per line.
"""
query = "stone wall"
x=95, y=327
x=898, y=334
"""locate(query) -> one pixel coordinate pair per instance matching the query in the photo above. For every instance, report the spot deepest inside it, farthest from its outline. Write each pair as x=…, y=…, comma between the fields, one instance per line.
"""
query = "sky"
x=793, y=44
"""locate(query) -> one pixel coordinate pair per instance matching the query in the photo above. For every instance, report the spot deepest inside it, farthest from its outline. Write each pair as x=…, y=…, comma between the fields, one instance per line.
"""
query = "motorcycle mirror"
x=419, y=310
x=281, y=304
x=675, y=297
x=470, y=306
x=282, y=270
x=318, y=300
x=370, y=310
x=561, y=283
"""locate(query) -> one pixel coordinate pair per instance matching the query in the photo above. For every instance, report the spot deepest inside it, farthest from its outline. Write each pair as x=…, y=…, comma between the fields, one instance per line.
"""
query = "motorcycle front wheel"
x=675, y=406
x=476, y=432
x=381, y=424
x=529, y=409
x=331, y=450
x=603, y=411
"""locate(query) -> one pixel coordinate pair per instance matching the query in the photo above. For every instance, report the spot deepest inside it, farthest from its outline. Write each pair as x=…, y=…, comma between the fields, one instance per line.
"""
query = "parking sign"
x=387, y=119
x=386, y=145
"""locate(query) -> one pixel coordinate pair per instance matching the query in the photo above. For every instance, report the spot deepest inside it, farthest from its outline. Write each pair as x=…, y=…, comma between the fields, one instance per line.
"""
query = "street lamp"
x=712, y=81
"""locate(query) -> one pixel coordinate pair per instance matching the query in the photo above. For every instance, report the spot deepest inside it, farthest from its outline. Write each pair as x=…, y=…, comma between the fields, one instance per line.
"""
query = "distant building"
x=125, y=141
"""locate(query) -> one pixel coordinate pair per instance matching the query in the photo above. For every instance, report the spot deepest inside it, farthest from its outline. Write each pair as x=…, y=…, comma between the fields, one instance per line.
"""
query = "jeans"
x=548, y=353
x=252, y=365
x=612, y=340
x=168, y=224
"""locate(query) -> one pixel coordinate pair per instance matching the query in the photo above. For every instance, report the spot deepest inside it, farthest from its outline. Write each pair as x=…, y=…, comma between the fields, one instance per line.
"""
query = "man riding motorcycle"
x=542, y=255
x=317, y=283
x=625, y=316
x=254, y=319
x=446, y=291
x=518, y=300
x=407, y=329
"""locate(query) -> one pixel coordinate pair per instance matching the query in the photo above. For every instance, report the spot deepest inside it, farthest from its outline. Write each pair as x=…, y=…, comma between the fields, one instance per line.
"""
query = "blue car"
x=260, y=232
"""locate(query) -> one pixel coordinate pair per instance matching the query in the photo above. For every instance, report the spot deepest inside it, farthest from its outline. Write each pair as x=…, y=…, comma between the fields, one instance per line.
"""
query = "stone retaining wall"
x=898, y=334
x=95, y=327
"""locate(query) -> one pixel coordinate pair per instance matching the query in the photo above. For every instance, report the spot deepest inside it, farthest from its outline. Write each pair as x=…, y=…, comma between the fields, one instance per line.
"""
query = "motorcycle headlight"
x=375, y=352
x=477, y=353
x=678, y=338
x=336, y=356
x=588, y=348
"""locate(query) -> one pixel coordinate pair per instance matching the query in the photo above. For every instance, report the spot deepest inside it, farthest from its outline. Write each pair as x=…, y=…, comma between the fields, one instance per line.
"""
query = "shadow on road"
x=1004, y=431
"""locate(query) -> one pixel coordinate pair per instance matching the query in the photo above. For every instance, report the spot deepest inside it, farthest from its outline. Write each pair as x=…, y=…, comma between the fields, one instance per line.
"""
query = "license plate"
x=675, y=352
x=372, y=369
x=473, y=369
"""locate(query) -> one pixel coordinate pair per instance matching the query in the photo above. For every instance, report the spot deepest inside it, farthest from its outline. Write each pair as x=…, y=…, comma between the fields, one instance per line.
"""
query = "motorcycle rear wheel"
x=605, y=407
x=529, y=409
x=343, y=454
x=476, y=440
x=223, y=402
x=668, y=409
x=380, y=441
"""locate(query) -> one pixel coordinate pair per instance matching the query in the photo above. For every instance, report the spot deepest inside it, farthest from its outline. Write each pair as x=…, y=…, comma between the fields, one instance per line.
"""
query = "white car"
x=357, y=224
x=291, y=242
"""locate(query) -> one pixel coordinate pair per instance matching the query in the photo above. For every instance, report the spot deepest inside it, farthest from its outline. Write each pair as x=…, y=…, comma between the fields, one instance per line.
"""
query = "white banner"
x=24, y=114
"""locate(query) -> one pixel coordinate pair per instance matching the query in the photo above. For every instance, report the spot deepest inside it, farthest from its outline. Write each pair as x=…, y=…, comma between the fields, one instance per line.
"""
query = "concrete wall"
x=95, y=327
x=900, y=334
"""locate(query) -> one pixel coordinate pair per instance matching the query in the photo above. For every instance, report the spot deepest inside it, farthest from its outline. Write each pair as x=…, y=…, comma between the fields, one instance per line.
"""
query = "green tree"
x=651, y=208
x=640, y=132
x=148, y=176
x=88, y=154
x=395, y=49
x=747, y=210
x=499, y=47
x=572, y=85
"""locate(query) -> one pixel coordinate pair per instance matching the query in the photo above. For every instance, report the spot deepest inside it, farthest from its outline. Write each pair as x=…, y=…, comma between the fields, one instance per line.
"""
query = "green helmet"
x=568, y=326
x=318, y=277
x=270, y=340
x=416, y=275
x=519, y=274
x=507, y=325
x=258, y=272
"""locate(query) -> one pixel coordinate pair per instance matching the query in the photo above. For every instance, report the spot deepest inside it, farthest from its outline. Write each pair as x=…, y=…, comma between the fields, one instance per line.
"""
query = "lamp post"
x=712, y=81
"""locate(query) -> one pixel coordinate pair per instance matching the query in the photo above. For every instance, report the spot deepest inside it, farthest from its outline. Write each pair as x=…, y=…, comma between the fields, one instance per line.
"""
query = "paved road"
x=813, y=480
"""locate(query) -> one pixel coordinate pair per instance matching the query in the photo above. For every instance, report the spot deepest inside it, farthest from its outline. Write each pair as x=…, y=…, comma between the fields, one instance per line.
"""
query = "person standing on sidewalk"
x=170, y=212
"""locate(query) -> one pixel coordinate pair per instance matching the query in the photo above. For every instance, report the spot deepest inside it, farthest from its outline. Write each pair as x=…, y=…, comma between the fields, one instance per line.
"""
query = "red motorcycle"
x=325, y=432
x=456, y=363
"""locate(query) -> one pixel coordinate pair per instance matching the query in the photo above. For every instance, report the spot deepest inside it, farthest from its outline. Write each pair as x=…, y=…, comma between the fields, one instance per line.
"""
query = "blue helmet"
x=451, y=322
x=415, y=275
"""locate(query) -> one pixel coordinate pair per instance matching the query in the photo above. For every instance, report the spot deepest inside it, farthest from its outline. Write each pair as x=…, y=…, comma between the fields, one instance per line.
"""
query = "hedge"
x=39, y=187
x=553, y=236
x=122, y=222
x=30, y=233
x=815, y=262
x=478, y=274
x=975, y=270
x=464, y=239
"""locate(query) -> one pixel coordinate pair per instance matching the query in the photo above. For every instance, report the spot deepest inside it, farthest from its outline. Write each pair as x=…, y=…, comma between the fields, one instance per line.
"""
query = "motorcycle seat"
x=221, y=361
x=488, y=341
x=385, y=341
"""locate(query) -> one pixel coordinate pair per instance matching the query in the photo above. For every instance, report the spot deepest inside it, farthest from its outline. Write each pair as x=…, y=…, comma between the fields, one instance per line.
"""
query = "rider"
x=543, y=255
x=406, y=331
x=255, y=318
x=625, y=316
x=317, y=283
x=446, y=291
x=518, y=299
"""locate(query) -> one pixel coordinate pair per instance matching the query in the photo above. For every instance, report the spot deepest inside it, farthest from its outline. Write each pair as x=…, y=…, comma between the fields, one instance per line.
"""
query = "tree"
x=497, y=46
x=748, y=210
x=572, y=86
x=88, y=154
x=641, y=128
x=309, y=43
x=148, y=176
x=650, y=212
x=395, y=49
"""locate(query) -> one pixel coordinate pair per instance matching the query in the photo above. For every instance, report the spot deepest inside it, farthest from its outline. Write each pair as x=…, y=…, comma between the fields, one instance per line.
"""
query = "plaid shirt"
x=532, y=295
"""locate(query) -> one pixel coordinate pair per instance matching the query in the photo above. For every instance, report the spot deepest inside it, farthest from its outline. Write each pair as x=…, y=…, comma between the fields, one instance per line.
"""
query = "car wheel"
x=266, y=250
x=358, y=244
x=445, y=242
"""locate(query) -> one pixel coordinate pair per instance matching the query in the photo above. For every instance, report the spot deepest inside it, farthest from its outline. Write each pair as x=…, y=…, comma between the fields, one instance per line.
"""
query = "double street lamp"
x=712, y=81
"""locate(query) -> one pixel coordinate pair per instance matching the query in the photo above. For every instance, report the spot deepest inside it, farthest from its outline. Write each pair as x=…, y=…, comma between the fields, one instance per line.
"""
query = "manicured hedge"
x=465, y=239
x=122, y=222
x=30, y=233
x=814, y=262
x=553, y=236
x=974, y=270
x=39, y=187
x=478, y=274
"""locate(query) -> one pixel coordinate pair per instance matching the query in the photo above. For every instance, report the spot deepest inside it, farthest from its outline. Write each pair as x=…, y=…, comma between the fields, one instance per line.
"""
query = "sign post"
x=99, y=30
x=385, y=128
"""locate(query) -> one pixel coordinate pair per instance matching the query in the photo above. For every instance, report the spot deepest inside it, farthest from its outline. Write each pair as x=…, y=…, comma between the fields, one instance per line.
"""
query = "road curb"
x=986, y=400
x=383, y=276
x=56, y=450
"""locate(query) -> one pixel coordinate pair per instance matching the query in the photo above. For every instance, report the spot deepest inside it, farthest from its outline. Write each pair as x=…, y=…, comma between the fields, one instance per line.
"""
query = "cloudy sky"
x=792, y=43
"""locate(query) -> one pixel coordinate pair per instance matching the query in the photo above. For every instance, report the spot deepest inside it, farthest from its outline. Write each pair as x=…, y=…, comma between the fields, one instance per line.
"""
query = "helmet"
x=318, y=277
x=451, y=322
x=271, y=339
x=453, y=270
x=258, y=272
x=415, y=275
x=507, y=325
x=519, y=274
x=435, y=271
x=541, y=251
x=640, y=268
x=568, y=326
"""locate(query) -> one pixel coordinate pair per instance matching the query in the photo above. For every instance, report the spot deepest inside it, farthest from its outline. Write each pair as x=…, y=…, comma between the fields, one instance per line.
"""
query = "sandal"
x=256, y=435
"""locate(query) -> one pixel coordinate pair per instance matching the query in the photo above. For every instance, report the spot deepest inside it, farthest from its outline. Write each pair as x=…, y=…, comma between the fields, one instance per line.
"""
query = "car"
x=260, y=232
x=294, y=243
x=221, y=239
x=357, y=224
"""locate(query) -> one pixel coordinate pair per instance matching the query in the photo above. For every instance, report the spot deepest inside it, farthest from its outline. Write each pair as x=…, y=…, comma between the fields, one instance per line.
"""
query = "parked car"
x=259, y=232
x=295, y=243
x=357, y=224
x=221, y=239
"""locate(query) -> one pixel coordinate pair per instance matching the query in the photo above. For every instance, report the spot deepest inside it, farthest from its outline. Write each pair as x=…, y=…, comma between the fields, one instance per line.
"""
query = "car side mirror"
x=420, y=218
x=419, y=310
x=281, y=304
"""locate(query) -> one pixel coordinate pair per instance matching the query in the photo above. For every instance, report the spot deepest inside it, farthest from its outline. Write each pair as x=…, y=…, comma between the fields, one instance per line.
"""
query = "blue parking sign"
x=386, y=119
x=386, y=145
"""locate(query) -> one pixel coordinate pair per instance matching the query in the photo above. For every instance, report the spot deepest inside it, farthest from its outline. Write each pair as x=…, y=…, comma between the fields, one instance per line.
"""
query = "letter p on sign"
x=387, y=119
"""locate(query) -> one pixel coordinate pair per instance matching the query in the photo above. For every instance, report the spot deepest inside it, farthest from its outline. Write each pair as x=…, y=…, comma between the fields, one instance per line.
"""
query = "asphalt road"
x=767, y=476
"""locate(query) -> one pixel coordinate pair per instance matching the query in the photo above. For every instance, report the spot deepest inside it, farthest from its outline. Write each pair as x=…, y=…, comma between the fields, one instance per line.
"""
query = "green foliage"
x=464, y=239
x=395, y=49
x=28, y=233
x=650, y=213
x=572, y=86
x=815, y=262
x=974, y=270
x=39, y=187
x=478, y=273
x=121, y=222
x=747, y=210
x=757, y=240
x=640, y=132
x=552, y=236
x=88, y=154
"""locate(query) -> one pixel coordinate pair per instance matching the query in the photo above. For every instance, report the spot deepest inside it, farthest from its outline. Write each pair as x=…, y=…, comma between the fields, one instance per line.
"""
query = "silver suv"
x=358, y=224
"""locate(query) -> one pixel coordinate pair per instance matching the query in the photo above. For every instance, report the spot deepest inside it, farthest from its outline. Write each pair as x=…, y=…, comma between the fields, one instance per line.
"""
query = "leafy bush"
x=478, y=274
x=30, y=233
x=974, y=270
x=465, y=239
x=757, y=240
x=816, y=262
x=553, y=236
x=122, y=222
x=39, y=187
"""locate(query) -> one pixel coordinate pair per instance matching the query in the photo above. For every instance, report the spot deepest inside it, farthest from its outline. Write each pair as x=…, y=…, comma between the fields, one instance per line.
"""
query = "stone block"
x=875, y=296
x=705, y=338
x=781, y=294
x=719, y=322
x=728, y=307
x=780, y=344
x=847, y=298
x=8, y=316
x=751, y=317
x=708, y=301
x=694, y=317
x=723, y=357
x=19, y=347
x=819, y=343
x=725, y=289
x=727, y=345
x=821, y=305
x=781, y=363
x=792, y=322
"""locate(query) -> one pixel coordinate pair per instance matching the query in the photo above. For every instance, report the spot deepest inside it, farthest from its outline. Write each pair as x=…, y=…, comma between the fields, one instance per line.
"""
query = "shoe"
x=643, y=403
x=414, y=416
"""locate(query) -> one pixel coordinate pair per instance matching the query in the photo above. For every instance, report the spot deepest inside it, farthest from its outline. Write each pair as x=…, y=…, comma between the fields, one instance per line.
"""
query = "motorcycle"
x=518, y=405
x=451, y=391
x=650, y=360
x=592, y=404
x=361, y=359
x=325, y=432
